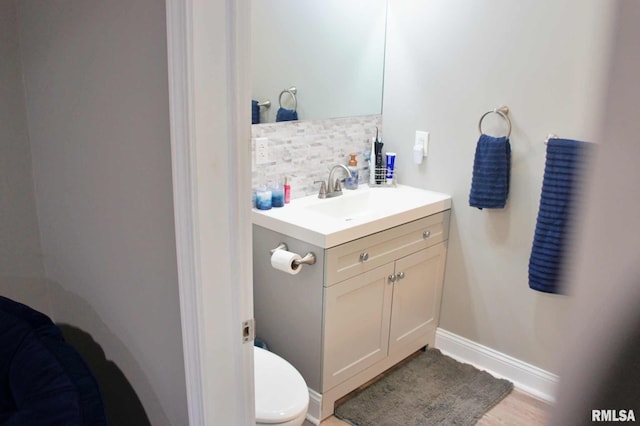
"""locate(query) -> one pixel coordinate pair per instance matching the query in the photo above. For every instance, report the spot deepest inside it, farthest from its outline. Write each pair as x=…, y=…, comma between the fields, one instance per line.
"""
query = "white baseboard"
x=525, y=377
x=315, y=404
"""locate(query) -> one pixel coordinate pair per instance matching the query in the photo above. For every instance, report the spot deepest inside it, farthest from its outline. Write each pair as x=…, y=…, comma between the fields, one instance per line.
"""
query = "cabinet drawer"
x=356, y=257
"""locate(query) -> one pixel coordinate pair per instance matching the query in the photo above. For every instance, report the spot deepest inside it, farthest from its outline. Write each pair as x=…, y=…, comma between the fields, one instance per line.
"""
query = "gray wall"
x=21, y=267
x=448, y=62
x=95, y=76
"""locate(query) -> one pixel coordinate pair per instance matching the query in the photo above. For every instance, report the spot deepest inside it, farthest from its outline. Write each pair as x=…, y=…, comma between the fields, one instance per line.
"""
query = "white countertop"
x=357, y=213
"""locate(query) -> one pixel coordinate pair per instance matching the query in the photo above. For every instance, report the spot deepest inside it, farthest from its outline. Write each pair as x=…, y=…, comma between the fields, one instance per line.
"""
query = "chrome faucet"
x=334, y=188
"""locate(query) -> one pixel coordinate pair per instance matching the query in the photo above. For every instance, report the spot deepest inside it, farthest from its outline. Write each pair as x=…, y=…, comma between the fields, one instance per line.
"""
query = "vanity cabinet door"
x=416, y=300
x=356, y=328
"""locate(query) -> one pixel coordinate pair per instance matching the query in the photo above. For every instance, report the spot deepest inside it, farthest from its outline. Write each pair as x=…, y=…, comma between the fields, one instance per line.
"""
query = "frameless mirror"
x=331, y=51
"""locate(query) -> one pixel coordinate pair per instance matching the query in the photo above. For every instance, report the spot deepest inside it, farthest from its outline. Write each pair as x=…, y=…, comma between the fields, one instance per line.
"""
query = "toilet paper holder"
x=307, y=259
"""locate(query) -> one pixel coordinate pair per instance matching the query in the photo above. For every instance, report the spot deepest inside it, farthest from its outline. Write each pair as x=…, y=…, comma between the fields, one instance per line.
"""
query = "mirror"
x=331, y=51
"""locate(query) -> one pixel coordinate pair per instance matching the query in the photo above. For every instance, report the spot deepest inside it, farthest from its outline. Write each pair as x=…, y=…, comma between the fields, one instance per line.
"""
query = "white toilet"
x=282, y=397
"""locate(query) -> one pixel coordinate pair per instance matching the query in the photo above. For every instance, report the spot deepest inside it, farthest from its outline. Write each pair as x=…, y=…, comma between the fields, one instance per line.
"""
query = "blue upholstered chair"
x=43, y=380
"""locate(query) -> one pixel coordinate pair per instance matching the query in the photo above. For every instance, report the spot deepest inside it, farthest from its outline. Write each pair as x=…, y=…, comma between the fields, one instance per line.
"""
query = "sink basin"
x=346, y=208
x=355, y=214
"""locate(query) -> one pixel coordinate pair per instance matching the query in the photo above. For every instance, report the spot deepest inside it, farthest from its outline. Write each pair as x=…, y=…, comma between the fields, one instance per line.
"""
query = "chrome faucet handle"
x=338, y=186
x=323, y=188
x=334, y=187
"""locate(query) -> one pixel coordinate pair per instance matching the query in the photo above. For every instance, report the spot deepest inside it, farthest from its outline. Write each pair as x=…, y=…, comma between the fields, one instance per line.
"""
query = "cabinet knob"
x=391, y=278
x=364, y=257
x=400, y=275
x=426, y=234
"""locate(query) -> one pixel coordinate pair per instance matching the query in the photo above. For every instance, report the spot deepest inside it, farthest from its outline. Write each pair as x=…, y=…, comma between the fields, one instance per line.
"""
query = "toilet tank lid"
x=280, y=391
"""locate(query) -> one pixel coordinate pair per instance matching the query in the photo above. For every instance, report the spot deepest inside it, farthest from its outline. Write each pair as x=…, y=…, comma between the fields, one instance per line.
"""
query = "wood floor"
x=517, y=409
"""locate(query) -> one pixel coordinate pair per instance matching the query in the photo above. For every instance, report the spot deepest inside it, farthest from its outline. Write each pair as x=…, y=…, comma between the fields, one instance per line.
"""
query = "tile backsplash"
x=306, y=150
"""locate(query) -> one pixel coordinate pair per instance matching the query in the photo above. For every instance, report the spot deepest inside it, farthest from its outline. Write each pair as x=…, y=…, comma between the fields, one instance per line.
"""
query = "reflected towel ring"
x=291, y=91
x=503, y=112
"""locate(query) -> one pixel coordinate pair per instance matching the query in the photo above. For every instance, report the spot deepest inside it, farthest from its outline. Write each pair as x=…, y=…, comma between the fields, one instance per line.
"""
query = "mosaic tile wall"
x=306, y=150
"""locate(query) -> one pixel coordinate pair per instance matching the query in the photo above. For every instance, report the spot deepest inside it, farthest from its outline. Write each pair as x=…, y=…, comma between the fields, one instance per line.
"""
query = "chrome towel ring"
x=292, y=92
x=503, y=112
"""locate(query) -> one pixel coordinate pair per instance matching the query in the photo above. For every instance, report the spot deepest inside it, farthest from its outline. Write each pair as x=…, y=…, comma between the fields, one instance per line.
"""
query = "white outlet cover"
x=262, y=150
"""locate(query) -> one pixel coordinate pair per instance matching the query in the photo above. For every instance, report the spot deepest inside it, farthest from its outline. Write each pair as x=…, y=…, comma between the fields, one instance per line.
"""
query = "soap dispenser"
x=352, y=182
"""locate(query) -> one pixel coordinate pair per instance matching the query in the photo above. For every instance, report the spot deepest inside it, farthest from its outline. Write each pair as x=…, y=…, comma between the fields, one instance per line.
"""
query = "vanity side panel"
x=288, y=308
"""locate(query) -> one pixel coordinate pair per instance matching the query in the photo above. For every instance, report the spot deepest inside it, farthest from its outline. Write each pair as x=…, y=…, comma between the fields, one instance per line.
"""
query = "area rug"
x=430, y=389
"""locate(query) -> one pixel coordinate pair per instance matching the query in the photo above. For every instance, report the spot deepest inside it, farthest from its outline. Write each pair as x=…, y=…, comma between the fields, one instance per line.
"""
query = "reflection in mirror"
x=331, y=51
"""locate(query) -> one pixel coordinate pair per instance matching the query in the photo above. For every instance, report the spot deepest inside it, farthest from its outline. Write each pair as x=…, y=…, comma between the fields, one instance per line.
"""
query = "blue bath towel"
x=491, y=172
x=565, y=159
x=255, y=112
x=286, y=115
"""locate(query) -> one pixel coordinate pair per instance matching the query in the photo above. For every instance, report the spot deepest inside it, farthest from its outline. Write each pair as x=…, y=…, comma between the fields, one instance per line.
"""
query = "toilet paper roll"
x=282, y=260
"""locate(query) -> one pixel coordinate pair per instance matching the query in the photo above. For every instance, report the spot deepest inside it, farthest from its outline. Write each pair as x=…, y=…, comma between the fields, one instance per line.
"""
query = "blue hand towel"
x=255, y=112
x=491, y=172
x=286, y=115
x=559, y=187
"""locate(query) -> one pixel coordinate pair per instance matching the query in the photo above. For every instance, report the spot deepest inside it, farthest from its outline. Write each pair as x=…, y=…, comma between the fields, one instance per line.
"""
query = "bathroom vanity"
x=371, y=299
